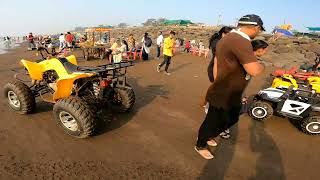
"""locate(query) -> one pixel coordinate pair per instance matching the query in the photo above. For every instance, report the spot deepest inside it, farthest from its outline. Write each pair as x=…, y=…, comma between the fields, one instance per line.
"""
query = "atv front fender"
x=35, y=70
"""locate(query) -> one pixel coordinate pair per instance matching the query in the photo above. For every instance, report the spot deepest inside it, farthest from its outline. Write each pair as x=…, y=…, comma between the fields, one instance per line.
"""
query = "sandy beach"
x=154, y=141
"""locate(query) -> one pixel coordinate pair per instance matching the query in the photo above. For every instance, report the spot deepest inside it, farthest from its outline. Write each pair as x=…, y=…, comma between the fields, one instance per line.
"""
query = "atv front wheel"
x=20, y=97
x=75, y=117
x=260, y=110
x=311, y=125
x=123, y=99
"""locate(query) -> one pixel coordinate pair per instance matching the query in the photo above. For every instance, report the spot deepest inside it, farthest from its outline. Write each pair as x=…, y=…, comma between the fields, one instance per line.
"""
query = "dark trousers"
x=145, y=56
x=158, y=51
x=166, y=61
x=216, y=121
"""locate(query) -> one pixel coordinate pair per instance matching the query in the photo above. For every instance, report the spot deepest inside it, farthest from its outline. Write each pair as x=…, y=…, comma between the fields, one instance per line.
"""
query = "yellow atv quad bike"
x=286, y=80
x=79, y=93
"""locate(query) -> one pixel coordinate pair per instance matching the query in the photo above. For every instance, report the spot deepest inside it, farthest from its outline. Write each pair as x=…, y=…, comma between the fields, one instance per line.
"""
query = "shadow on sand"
x=216, y=169
x=180, y=66
x=268, y=163
x=112, y=120
x=144, y=96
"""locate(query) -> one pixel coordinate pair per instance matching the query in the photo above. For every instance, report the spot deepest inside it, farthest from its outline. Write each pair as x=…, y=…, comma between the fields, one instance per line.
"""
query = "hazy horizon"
x=56, y=16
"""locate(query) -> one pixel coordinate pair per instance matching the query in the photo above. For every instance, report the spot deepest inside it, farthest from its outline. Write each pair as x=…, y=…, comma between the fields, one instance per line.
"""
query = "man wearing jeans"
x=168, y=47
x=159, y=44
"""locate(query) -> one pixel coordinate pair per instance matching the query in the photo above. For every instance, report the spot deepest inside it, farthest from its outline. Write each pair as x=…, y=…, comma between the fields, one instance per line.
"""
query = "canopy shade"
x=314, y=28
x=98, y=29
x=284, y=32
x=177, y=22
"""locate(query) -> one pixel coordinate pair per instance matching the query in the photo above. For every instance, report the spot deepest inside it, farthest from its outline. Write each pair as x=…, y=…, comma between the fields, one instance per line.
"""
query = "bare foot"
x=212, y=143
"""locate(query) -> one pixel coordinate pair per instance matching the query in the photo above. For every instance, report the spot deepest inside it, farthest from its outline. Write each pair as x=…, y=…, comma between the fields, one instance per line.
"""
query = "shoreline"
x=13, y=45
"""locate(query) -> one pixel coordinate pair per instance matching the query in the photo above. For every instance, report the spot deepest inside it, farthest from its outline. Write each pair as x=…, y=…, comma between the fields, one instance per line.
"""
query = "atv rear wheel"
x=311, y=125
x=260, y=110
x=20, y=97
x=75, y=117
x=123, y=99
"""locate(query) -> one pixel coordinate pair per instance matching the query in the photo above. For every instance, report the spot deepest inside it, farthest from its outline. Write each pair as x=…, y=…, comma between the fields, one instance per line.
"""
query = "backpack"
x=147, y=41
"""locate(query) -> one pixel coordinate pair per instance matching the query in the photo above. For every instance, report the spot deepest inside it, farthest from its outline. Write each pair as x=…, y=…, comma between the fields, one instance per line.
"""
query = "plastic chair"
x=128, y=55
x=194, y=51
x=137, y=54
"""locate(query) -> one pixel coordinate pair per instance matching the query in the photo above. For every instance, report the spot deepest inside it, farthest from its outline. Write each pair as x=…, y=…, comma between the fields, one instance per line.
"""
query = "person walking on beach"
x=187, y=46
x=168, y=48
x=31, y=43
x=212, y=46
x=234, y=60
x=159, y=44
x=62, y=41
x=69, y=40
x=146, y=45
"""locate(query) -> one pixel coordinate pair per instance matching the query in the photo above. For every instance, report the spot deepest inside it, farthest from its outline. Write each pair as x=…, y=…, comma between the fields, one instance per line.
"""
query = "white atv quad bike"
x=300, y=105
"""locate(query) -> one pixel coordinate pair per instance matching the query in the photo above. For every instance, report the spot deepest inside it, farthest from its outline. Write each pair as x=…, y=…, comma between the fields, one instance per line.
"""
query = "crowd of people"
x=67, y=40
x=234, y=61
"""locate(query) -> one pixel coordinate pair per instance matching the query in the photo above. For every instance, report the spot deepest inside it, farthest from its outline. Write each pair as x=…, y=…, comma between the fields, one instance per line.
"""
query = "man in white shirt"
x=62, y=41
x=159, y=44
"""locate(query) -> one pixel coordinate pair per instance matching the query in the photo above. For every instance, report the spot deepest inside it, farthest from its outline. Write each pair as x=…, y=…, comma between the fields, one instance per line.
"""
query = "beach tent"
x=177, y=22
x=286, y=27
x=283, y=32
x=313, y=28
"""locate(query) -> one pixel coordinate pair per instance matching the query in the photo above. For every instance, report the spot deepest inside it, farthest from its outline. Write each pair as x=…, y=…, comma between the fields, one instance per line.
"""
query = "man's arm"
x=254, y=68
x=215, y=68
x=246, y=57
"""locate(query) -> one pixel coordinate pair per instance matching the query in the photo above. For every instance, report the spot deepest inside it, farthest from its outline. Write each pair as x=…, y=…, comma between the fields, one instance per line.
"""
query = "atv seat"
x=71, y=68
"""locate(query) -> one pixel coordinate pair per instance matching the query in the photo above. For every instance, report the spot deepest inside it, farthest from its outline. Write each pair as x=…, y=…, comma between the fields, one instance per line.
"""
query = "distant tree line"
x=154, y=22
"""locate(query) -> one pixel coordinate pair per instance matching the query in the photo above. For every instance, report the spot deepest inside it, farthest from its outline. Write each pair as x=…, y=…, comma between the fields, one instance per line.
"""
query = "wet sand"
x=155, y=140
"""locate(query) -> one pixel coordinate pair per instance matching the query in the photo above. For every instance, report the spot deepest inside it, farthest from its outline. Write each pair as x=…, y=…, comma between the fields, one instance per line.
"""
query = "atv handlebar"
x=291, y=89
x=53, y=51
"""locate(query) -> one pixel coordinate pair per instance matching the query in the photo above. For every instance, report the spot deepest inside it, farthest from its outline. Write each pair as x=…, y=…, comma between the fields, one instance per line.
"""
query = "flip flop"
x=206, y=154
x=212, y=143
x=225, y=135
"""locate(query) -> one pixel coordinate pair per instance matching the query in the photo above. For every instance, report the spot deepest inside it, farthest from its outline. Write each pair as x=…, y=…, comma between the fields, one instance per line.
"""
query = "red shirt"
x=188, y=45
x=69, y=37
x=30, y=38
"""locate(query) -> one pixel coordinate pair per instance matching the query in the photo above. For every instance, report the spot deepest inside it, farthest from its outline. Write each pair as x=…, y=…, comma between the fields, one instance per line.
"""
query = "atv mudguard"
x=65, y=82
x=315, y=83
x=64, y=86
x=280, y=82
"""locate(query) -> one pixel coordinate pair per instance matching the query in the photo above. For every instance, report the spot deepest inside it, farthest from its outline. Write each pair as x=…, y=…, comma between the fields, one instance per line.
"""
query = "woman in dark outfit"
x=212, y=46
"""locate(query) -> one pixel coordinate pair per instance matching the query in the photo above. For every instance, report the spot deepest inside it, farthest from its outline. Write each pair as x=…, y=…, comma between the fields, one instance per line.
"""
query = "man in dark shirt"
x=234, y=60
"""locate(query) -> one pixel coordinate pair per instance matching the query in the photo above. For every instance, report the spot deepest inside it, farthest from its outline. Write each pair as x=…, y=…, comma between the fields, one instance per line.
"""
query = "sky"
x=18, y=17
